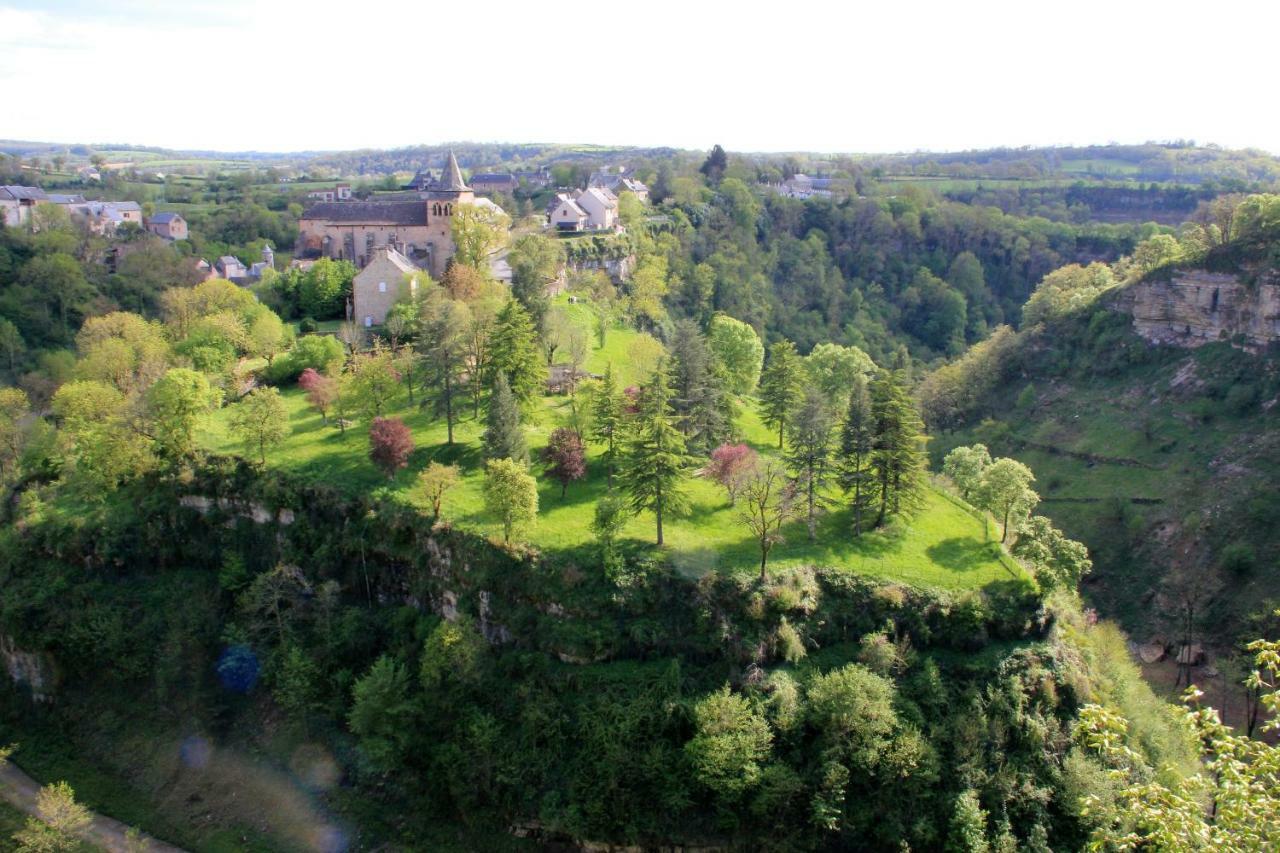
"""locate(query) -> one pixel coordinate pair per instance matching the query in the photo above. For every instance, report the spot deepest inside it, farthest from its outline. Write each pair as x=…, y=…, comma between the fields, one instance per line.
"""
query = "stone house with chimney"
x=387, y=277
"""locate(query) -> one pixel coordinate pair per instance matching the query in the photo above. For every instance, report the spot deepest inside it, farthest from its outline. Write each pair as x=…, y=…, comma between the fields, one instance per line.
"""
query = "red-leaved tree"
x=565, y=458
x=730, y=466
x=321, y=391
x=390, y=444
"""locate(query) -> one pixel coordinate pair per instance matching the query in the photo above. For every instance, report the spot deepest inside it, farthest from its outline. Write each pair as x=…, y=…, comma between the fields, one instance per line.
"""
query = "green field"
x=897, y=183
x=943, y=546
x=1099, y=166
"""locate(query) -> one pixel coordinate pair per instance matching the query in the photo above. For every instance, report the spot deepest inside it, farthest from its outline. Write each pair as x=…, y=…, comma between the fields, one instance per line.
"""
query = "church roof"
x=389, y=212
x=451, y=178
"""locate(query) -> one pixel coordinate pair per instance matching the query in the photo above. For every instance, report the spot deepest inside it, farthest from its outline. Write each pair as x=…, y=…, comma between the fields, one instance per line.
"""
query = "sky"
x=798, y=75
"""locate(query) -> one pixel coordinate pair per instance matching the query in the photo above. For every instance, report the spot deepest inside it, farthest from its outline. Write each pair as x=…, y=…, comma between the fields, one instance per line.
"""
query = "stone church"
x=419, y=229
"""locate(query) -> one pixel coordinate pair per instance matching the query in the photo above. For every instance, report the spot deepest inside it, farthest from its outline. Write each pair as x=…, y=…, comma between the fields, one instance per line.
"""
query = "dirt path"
x=20, y=790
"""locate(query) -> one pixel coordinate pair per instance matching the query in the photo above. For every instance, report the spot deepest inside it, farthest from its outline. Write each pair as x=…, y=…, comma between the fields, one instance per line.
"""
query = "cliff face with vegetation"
x=429, y=666
x=1195, y=307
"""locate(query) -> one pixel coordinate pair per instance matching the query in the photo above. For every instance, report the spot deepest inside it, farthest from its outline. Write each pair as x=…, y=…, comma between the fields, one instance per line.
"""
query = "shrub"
x=790, y=644
x=1241, y=397
x=1239, y=559
x=307, y=325
x=318, y=352
x=878, y=653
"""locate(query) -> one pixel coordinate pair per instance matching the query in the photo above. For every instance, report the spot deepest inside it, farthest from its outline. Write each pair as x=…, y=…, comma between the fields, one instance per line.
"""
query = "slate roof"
x=493, y=178
x=113, y=210
x=602, y=195
x=163, y=218
x=398, y=260
x=451, y=180
x=23, y=193
x=389, y=212
x=563, y=199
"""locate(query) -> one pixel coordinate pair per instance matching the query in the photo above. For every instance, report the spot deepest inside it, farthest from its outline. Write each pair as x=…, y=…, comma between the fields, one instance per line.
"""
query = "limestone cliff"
x=1196, y=307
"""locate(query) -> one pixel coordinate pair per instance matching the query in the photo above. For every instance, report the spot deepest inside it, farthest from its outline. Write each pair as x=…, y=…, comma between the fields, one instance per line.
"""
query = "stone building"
x=105, y=217
x=169, y=225
x=418, y=229
x=388, y=276
x=18, y=203
x=494, y=182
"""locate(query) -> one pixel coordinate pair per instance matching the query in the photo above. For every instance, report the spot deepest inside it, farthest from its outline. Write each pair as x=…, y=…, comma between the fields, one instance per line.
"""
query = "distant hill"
x=1183, y=162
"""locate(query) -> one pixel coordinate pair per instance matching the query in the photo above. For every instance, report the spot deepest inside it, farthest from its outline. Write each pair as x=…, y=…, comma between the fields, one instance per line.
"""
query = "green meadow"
x=943, y=546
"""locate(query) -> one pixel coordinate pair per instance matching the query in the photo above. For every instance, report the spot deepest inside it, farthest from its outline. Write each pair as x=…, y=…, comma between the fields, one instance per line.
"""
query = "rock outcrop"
x=32, y=670
x=1197, y=307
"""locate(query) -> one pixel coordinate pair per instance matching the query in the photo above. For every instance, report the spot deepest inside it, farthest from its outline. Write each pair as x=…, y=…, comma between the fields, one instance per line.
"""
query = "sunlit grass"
x=942, y=546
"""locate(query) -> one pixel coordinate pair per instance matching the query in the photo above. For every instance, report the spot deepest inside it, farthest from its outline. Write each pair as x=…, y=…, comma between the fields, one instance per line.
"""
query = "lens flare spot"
x=195, y=752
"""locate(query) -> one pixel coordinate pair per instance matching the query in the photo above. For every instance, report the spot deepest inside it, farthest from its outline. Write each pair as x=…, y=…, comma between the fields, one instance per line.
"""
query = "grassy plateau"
x=942, y=546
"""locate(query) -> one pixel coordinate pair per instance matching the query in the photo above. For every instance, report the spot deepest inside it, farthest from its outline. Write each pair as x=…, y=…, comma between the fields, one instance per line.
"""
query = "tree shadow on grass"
x=960, y=554
x=466, y=455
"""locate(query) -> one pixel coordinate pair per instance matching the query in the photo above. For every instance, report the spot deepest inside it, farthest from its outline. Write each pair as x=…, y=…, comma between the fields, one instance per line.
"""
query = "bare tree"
x=352, y=337
x=767, y=501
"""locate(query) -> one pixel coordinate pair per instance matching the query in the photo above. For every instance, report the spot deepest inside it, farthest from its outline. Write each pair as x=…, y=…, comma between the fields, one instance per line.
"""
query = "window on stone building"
x=382, y=287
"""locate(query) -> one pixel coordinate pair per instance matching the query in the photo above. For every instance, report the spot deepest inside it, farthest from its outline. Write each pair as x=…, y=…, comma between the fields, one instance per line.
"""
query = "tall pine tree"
x=654, y=463
x=606, y=421
x=514, y=352
x=898, y=458
x=810, y=454
x=700, y=398
x=857, y=441
x=444, y=346
x=781, y=386
x=503, y=435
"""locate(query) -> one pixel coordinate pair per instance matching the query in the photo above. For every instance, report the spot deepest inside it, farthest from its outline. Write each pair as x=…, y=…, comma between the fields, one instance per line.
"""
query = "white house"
x=601, y=207
x=565, y=214
x=341, y=192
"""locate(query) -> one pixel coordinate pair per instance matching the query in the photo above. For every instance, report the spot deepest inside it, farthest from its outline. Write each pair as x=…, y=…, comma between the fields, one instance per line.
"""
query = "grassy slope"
x=942, y=547
x=1214, y=483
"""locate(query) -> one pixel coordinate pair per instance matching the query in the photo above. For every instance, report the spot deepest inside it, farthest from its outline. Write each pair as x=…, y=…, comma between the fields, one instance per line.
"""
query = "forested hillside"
x=1160, y=456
